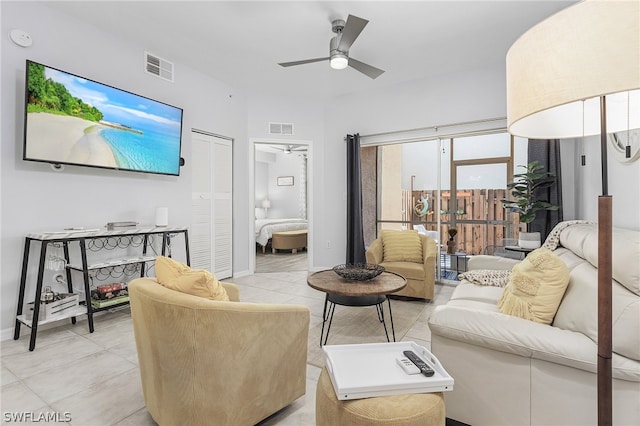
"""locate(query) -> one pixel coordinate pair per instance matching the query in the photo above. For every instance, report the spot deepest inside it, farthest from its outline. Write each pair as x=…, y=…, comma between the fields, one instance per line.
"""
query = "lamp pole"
x=605, y=273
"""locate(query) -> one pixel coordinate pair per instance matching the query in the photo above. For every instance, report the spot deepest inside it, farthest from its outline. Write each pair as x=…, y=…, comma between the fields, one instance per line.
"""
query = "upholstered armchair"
x=205, y=362
x=409, y=254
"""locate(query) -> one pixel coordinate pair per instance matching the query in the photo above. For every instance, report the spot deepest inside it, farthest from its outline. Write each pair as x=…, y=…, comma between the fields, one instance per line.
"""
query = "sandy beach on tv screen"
x=67, y=139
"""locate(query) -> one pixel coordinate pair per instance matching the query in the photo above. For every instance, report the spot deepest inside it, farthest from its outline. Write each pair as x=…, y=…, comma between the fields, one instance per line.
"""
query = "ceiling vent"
x=281, y=128
x=157, y=66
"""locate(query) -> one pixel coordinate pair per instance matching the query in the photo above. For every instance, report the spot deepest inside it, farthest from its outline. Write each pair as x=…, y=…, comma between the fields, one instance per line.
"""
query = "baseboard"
x=6, y=334
x=241, y=274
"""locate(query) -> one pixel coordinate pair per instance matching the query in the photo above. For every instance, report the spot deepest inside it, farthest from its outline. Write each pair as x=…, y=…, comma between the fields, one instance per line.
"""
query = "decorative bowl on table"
x=358, y=271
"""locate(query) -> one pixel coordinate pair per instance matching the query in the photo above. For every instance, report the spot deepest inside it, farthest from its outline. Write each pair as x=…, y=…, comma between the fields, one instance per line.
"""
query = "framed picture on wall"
x=285, y=180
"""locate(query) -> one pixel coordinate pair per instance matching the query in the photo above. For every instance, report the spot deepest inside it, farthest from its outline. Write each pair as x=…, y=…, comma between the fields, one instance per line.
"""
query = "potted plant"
x=451, y=244
x=522, y=189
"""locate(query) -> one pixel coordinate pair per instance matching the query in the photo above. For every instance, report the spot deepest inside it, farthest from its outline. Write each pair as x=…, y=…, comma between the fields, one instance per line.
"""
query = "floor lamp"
x=578, y=74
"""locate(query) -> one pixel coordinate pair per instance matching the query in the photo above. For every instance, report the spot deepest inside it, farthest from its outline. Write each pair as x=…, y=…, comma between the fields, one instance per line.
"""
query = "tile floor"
x=92, y=379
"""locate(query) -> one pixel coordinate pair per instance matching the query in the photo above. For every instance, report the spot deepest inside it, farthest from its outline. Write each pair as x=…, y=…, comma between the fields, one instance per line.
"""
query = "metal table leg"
x=327, y=315
x=380, y=309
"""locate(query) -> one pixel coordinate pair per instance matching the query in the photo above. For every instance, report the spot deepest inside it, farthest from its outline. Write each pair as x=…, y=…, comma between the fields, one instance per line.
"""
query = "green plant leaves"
x=522, y=190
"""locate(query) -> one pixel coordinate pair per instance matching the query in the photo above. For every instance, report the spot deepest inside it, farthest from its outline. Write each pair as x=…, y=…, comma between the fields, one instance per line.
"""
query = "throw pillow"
x=197, y=282
x=536, y=287
x=401, y=246
x=493, y=277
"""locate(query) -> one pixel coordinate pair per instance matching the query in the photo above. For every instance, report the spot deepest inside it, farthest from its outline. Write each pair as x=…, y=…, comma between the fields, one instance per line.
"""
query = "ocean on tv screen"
x=74, y=120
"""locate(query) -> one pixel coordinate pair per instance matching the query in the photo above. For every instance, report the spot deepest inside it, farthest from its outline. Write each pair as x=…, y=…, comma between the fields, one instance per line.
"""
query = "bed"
x=266, y=227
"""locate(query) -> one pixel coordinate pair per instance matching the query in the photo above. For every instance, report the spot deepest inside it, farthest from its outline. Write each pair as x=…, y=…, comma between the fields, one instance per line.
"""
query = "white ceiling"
x=241, y=42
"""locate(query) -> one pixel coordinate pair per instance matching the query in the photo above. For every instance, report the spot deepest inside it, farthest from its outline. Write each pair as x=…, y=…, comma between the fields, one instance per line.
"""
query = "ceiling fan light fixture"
x=339, y=61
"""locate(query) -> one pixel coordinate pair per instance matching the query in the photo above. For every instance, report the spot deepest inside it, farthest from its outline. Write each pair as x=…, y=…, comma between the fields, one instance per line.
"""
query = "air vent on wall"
x=157, y=66
x=281, y=128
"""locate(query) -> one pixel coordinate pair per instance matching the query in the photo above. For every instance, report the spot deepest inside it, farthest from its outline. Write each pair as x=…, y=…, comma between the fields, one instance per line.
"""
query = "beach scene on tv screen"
x=73, y=120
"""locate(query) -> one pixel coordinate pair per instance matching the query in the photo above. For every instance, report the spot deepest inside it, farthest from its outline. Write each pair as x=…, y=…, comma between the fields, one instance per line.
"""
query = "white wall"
x=624, y=185
x=285, y=200
x=262, y=182
x=35, y=198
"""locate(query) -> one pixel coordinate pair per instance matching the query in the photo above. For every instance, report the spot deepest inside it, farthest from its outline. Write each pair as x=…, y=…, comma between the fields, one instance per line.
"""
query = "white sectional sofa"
x=512, y=371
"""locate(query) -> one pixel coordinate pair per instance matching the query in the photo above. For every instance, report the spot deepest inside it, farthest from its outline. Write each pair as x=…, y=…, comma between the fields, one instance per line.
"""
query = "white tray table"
x=371, y=369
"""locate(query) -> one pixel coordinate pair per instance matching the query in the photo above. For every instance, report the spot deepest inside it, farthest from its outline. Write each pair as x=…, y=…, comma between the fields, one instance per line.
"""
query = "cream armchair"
x=205, y=362
x=420, y=276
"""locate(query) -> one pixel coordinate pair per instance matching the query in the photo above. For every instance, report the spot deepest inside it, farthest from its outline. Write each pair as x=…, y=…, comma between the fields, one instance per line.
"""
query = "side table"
x=524, y=251
x=454, y=262
x=340, y=291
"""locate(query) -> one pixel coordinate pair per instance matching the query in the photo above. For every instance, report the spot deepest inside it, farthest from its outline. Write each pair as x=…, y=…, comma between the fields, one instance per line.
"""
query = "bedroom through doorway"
x=280, y=206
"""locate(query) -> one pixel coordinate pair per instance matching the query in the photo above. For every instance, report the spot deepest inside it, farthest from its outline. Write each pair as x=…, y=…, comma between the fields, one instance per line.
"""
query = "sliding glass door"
x=438, y=185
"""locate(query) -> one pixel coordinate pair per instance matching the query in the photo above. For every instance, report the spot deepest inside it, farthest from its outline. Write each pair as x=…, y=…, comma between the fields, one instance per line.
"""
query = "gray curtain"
x=547, y=153
x=355, y=238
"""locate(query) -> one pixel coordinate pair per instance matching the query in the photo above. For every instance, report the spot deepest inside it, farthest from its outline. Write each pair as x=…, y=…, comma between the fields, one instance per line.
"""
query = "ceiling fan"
x=288, y=149
x=346, y=34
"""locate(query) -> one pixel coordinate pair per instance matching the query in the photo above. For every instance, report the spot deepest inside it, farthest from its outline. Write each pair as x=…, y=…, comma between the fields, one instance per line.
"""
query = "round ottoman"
x=418, y=409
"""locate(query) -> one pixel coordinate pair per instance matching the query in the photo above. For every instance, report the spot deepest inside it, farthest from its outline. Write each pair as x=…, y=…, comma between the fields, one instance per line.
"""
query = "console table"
x=92, y=240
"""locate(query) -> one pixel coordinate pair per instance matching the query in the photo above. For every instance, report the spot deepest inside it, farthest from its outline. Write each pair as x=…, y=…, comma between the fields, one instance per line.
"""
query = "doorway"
x=281, y=200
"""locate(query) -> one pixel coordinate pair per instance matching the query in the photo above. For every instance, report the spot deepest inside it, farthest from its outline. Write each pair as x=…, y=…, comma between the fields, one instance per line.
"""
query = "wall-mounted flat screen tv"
x=76, y=121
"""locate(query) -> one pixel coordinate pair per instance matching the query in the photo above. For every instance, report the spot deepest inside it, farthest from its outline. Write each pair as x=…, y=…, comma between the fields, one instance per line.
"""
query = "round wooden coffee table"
x=340, y=291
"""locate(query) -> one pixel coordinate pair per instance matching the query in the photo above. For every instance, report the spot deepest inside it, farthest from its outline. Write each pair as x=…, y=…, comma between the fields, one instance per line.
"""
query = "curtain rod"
x=443, y=126
x=487, y=131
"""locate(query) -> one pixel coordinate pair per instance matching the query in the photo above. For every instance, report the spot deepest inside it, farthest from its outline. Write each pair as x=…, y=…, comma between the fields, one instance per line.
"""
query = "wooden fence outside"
x=479, y=217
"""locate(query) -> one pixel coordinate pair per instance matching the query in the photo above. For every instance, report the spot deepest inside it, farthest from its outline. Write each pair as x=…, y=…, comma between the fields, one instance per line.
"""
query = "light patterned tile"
x=303, y=289
x=139, y=418
x=106, y=403
x=105, y=319
x=57, y=355
x=418, y=332
x=127, y=350
x=45, y=336
x=16, y=397
x=59, y=383
x=6, y=376
x=113, y=334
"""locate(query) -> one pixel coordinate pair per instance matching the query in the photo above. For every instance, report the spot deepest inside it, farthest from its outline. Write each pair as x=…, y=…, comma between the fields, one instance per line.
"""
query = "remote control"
x=407, y=365
x=424, y=368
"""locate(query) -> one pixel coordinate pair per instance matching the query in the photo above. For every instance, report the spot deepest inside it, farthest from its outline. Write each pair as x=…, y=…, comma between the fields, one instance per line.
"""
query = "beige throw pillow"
x=197, y=282
x=536, y=287
x=401, y=246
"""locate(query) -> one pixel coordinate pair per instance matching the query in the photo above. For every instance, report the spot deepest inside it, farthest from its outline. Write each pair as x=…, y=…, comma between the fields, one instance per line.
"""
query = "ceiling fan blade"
x=306, y=61
x=365, y=69
x=352, y=29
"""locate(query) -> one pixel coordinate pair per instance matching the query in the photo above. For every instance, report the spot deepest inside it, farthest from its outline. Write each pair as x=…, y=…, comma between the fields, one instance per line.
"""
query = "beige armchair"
x=205, y=362
x=420, y=277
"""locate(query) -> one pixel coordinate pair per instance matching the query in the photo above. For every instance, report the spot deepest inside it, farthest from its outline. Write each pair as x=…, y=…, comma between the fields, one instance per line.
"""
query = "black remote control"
x=424, y=368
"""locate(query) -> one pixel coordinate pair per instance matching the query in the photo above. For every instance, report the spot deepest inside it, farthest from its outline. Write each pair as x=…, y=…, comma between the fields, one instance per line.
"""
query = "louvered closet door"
x=211, y=225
